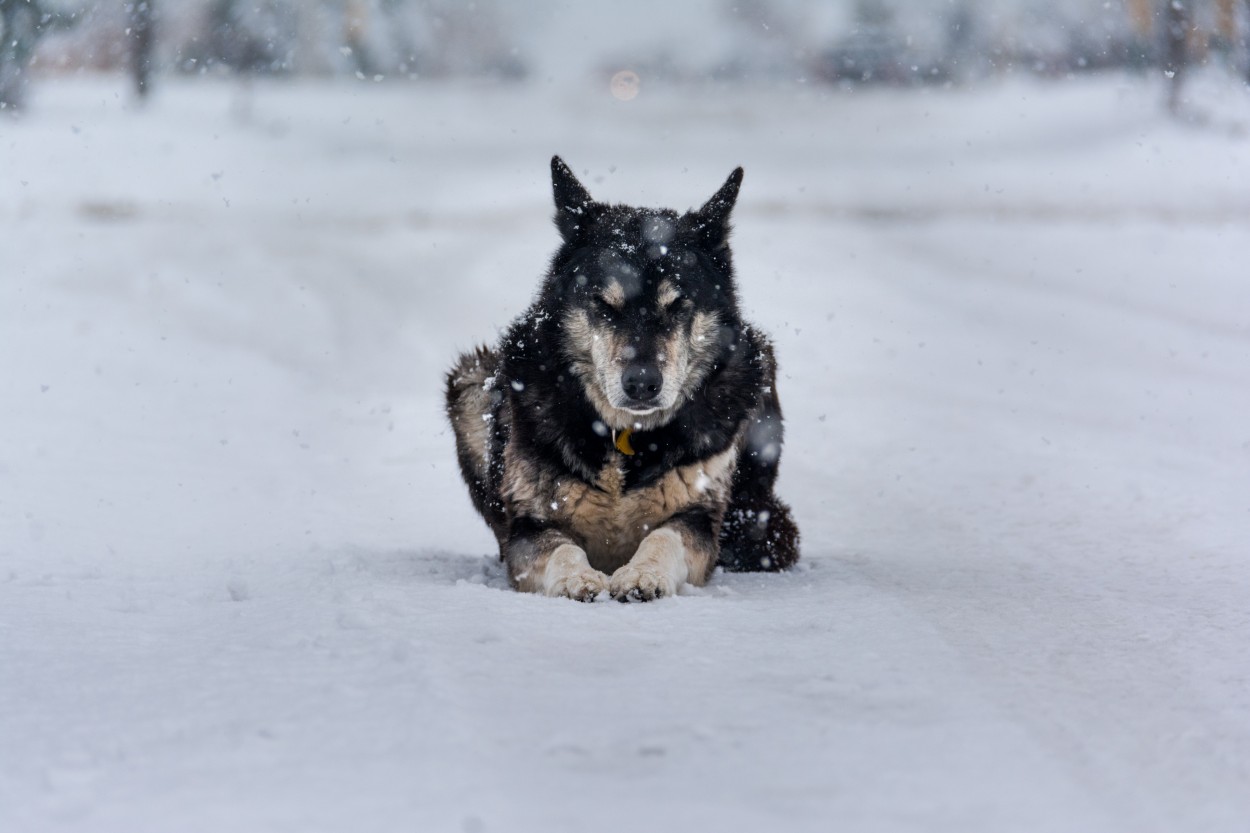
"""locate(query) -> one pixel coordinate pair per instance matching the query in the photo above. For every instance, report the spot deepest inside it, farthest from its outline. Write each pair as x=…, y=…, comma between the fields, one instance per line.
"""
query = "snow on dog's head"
x=647, y=298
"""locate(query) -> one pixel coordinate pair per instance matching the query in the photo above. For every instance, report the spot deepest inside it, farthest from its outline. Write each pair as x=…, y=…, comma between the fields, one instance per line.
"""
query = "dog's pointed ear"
x=712, y=220
x=574, y=205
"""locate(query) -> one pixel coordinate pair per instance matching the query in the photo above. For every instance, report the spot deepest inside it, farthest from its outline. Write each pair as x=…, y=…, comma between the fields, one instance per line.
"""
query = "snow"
x=242, y=586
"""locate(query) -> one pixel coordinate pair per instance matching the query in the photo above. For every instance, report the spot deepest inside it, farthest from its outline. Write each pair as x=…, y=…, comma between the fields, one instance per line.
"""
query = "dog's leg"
x=759, y=532
x=682, y=550
x=547, y=561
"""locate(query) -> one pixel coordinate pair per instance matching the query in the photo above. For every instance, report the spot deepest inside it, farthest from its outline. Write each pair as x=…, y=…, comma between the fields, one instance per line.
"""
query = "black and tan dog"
x=625, y=434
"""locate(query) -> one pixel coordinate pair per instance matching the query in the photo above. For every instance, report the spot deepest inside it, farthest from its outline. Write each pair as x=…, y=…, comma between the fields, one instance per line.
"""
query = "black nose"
x=642, y=382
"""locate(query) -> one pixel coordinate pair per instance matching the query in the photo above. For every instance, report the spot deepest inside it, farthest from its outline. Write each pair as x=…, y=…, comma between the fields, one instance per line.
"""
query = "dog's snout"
x=642, y=382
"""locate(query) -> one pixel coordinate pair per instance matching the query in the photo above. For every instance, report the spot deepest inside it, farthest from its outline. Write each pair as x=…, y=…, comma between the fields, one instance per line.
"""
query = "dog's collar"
x=621, y=441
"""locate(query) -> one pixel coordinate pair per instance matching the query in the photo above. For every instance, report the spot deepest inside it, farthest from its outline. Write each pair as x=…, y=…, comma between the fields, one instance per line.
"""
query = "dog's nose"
x=642, y=382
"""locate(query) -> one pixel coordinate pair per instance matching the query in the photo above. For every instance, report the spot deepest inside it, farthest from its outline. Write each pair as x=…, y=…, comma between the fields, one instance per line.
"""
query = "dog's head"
x=646, y=297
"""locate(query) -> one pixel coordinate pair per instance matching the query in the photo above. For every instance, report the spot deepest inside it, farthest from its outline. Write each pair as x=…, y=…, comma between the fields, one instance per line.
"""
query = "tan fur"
x=701, y=553
x=668, y=294
x=471, y=417
x=599, y=353
x=614, y=295
x=560, y=568
x=608, y=522
x=657, y=569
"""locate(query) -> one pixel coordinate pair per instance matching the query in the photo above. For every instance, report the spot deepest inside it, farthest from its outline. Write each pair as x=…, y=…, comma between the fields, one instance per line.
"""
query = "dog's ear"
x=574, y=205
x=712, y=220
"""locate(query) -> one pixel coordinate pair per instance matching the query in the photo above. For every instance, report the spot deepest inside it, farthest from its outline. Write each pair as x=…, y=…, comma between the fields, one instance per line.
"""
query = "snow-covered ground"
x=242, y=587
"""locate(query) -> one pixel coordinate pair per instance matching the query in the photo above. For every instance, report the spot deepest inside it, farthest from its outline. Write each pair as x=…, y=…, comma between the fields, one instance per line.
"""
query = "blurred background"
x=843, y=43
x=1000, y=246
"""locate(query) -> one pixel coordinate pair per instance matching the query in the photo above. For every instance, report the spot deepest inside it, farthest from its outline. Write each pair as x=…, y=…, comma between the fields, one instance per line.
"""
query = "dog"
x=624, y=435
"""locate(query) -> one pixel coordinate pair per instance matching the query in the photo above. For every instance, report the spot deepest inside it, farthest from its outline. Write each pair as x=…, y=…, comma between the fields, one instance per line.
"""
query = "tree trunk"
x=19, y=30
x=1176, y=26
x=142, y=42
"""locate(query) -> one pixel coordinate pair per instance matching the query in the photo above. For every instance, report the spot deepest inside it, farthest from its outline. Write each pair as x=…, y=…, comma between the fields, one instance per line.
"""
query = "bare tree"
x=19, y=31
x=142, y=36
x=355, y=25
x=22, y=24
x=1177, y=22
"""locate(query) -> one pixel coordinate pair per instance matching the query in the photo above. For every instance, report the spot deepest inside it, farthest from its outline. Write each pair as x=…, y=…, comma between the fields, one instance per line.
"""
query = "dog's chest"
x=610, y=520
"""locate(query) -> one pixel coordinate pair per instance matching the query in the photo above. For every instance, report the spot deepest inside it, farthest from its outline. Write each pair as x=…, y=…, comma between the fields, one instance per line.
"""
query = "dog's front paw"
x=634, y=583
x=582, y=585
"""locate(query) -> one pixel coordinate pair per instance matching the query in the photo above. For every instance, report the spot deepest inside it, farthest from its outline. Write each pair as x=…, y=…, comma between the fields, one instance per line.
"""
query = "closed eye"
x=679, y=306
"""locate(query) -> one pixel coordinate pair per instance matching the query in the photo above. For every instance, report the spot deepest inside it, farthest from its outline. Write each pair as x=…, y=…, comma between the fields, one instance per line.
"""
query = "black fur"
x=539, y=413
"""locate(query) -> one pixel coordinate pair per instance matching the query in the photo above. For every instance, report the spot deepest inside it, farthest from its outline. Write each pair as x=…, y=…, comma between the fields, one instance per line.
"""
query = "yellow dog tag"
x=622, y=442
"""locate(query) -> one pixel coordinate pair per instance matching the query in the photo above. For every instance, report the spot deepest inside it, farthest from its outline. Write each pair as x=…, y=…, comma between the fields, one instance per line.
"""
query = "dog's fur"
x=634, y=343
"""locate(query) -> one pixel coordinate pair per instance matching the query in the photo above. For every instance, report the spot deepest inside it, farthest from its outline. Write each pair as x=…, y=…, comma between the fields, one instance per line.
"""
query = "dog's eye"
x=680, y=306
